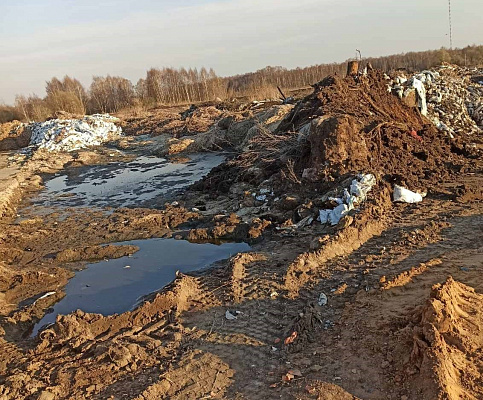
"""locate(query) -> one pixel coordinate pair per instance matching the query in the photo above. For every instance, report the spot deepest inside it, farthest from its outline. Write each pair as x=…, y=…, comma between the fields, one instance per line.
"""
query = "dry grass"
x=268, y=149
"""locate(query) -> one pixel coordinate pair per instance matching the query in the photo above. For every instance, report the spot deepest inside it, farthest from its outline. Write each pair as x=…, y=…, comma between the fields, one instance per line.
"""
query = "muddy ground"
x=387, y=304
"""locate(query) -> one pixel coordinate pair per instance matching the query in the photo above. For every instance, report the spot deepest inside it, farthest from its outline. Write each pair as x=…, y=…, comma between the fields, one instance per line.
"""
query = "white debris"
x=356, y=194
x=231, y=316
x=46, y=295
x=261, y=197
x=421, y=90
x=304, y=222
x=450, y=97
x=404, y=195
x=322, y=299
x=74, y=134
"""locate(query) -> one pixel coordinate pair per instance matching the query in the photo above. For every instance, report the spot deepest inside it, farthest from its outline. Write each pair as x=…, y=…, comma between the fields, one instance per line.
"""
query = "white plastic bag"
x=404, y=195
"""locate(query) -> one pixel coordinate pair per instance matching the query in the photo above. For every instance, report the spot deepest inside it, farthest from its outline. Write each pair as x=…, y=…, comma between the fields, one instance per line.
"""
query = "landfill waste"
x=447, y=96
x=291, y=374
x=356, y=194
x=74, y=134
x=403, y=195
x=262, y=194
x=48, y=294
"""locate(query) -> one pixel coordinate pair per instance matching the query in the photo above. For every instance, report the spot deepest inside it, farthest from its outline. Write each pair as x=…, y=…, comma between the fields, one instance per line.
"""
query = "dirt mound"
x=174, y=121
x=354, y=124
x=347, y=126
x=448, y=343
x=14, y=135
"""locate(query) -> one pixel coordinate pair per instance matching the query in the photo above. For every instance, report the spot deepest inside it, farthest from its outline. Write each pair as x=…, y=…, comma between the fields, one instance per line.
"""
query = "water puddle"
x=123, y=184
x=116, y=286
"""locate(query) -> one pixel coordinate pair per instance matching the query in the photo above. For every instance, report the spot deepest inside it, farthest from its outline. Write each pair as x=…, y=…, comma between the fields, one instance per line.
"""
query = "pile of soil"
x=347, y=126
x=448, y=342
x=14, y=135
x=169, y=120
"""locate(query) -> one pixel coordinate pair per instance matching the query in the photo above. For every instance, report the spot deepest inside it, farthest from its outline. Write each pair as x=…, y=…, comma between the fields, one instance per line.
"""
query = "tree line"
x=171, y=86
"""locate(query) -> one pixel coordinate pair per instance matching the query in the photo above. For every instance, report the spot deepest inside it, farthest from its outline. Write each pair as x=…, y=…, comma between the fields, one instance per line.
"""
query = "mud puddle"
x=123, y=184
x=118, y=285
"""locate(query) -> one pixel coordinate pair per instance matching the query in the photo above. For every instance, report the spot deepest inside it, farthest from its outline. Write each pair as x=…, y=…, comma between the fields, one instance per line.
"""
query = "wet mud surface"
x=129, y=184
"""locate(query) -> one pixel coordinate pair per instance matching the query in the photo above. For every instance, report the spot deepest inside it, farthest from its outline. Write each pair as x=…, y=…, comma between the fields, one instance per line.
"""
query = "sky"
x=40, y=39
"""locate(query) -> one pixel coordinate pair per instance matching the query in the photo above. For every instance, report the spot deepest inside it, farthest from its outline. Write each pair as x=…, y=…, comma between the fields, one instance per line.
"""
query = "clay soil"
x=385, y=305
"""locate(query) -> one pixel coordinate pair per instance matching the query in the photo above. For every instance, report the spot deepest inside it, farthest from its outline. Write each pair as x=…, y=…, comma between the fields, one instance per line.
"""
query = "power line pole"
x=450, y=27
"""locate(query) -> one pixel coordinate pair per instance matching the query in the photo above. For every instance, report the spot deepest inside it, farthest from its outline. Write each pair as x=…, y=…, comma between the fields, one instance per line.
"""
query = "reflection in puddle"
x=116, y=286
x=124, y=184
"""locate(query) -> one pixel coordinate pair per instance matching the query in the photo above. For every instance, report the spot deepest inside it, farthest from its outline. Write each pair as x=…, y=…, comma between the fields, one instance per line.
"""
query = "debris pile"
x=447, y=96
x=348, y=127
x=356, y=125
x=74, y=134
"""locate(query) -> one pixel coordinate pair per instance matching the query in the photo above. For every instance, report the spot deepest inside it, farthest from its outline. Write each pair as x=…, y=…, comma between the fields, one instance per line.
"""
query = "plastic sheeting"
x=356, y=194
x=403, y=195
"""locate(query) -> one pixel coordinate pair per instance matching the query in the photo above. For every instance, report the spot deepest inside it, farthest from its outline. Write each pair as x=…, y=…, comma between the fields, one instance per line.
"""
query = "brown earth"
x=400, y=315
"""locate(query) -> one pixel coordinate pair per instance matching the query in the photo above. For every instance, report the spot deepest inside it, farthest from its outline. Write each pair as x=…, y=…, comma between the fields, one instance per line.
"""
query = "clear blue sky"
x=40, y=39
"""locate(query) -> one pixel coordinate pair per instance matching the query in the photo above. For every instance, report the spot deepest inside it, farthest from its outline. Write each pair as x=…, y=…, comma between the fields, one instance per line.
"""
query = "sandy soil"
x=385, y=305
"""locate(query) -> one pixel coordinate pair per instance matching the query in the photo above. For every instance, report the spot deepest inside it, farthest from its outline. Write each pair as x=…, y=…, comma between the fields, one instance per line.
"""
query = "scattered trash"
x=356, y=194
x=274, y=348
x=415, y=135
x=304, y=222
x=274, y=294
x=74, y=134
x=291, y=338
x=127, y=266
x=404, y=195
x=44, y=296
x=328, y=324
x=231, y=316
x=310, y=389
x=322, y=299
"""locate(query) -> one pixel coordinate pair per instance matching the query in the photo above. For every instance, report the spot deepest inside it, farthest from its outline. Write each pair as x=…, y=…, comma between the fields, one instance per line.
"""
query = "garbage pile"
x=74, y=134
x=447, y=96
x=347, y=126
x=352, y=197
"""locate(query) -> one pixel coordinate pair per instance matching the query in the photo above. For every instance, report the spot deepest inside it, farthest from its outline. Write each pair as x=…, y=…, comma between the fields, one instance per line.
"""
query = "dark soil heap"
x=346, y=126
